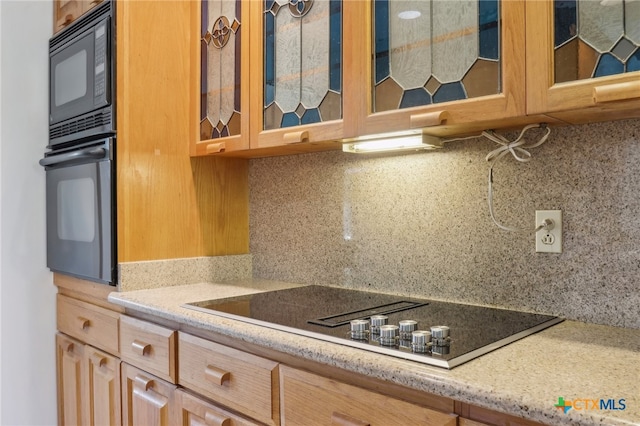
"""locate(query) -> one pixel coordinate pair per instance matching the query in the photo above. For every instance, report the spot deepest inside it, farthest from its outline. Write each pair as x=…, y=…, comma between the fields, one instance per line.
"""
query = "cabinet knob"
x=616, y=92
x=215, y=375
x=98, y=359
x=84, y=323
x=213, y=148
x=296, y=137
x=143, y=381
x=339, y=419
x=429, y=119
x=215, y=419
x=141, y=348
x=69, y=347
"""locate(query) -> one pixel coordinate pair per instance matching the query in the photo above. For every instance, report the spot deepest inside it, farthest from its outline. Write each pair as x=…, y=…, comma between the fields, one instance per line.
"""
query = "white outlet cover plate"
x=549, y=241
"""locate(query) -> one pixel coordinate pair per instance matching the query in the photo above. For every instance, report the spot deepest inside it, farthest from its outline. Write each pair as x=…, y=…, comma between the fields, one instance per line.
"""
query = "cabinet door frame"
x=471, y=114
x=291, y=137
x=544, y=96
x=230, y=143
x=71, y=401
x=155, y=394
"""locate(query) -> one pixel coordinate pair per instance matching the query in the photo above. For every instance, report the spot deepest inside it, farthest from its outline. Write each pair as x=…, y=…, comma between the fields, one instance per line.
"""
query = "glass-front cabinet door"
x=436, y=62
x=298, y=71
x=223, y=85
x=584, y=54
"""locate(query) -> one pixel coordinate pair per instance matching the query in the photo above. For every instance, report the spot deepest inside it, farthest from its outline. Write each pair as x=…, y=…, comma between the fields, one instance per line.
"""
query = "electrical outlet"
x=549, y=240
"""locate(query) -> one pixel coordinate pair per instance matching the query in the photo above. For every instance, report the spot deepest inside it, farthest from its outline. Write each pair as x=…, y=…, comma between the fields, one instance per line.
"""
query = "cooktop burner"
x=432, y=332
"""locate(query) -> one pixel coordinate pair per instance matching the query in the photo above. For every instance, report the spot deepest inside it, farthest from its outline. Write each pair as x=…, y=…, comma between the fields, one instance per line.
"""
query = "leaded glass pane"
x=428, y=51
x=302, y=62
x=607, y=34
x=220, y=82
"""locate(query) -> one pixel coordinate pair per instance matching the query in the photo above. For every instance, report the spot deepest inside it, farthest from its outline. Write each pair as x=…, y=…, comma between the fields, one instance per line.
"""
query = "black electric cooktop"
x=461, y=332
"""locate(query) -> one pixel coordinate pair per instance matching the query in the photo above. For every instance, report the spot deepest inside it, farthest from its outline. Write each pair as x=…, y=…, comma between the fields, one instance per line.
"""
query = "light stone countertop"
x=573, y=360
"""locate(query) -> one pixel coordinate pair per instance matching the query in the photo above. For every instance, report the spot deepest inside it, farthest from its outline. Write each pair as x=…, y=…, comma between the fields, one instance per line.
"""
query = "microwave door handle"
x=88, y=153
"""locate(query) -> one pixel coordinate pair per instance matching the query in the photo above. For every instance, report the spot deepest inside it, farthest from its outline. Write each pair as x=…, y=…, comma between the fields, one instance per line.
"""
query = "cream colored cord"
x=519, y=150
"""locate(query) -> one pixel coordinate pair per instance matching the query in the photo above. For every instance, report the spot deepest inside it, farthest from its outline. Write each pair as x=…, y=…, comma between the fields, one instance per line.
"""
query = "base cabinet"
x=146, y=399
x=195, y=411
x=309, y=399
x=88, y=384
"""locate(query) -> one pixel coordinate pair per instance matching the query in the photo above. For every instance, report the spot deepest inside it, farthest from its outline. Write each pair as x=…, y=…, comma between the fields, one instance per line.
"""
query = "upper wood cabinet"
x=451, y=65
x=67, y=11
x=583, y=59
x=222, y=75
x=298, y=84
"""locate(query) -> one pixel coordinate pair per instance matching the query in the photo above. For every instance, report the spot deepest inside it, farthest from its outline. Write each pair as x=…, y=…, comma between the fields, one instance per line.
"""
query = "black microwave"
x=82, y=79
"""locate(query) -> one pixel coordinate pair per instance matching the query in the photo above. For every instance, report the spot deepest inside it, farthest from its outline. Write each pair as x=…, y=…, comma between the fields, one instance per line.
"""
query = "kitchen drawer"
x=309, y=399
x=194, y=411
x=89, y=323
x=148, y=346
x=241, y=381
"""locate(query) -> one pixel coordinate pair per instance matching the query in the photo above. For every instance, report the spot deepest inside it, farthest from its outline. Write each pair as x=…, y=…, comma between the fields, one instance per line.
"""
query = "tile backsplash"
x=419, y=224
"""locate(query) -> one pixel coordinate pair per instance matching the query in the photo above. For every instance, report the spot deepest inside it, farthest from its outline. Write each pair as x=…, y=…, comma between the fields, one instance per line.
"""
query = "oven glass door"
x=79, y=213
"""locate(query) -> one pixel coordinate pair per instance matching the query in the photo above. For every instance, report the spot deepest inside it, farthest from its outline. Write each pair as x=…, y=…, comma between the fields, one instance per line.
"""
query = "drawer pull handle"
x=68, y=19
x=429, y=119
x=296, y=137
x=141, y=348
x=616, y=92
x=215, y=375
x=213, y=148
x=339, y=419
x=214, y=419
x=145, y=382
x=99, y=360
x=84, y=323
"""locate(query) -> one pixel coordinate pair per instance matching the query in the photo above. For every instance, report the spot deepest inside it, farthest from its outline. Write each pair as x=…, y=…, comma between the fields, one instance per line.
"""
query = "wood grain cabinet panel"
x=146, y=400
x=241, y=381
x=71, y=372
x=91, y=324
x=194, y=411
x=103, y=388
x=148, y=346
x=309, y=399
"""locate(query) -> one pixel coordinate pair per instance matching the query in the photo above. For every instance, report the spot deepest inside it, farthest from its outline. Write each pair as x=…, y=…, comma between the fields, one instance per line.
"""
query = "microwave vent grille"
x=84, y=123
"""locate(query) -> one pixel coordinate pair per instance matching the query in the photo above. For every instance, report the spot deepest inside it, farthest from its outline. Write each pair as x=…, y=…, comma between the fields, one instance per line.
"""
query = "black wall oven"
x=80, y=163
x=80, y=194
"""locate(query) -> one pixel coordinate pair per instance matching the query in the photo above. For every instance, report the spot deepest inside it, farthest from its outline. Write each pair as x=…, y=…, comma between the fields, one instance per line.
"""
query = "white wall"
x=27, y=294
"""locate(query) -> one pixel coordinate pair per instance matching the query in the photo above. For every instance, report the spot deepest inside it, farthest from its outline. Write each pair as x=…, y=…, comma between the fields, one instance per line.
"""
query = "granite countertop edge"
x=515, y=391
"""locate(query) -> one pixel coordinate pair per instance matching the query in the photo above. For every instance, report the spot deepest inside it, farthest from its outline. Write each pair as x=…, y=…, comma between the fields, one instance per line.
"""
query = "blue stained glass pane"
x=489, y=30
x=310, y=116
x=381, y=11
x=415, y=97
x=608, y=65
x=335, y=46
x=633, y=63
x=300, y=6
x=565, y=20
x=290, y=119
x=269, y=57
x=449, y=92
x=268, y=4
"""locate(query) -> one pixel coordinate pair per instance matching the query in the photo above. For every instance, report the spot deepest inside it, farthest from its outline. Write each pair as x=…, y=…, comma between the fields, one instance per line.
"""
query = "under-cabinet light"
x=399, y=143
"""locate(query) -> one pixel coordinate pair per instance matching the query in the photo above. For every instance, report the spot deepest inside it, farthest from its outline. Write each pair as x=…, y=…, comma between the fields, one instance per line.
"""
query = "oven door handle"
x=82, y=154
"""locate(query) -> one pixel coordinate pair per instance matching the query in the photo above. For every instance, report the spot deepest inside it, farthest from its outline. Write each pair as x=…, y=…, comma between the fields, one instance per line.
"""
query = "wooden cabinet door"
x=583, y=59
x=220, y=67
x=103, y=388
x=297, y=89
x=146, y=399
x=309, y=399
x=71, y=372
x=193, y=411
x=438, y=66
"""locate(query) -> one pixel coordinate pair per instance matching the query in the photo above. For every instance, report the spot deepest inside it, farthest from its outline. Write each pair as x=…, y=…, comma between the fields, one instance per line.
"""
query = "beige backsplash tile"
x=172, y=272
x=419, y=224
